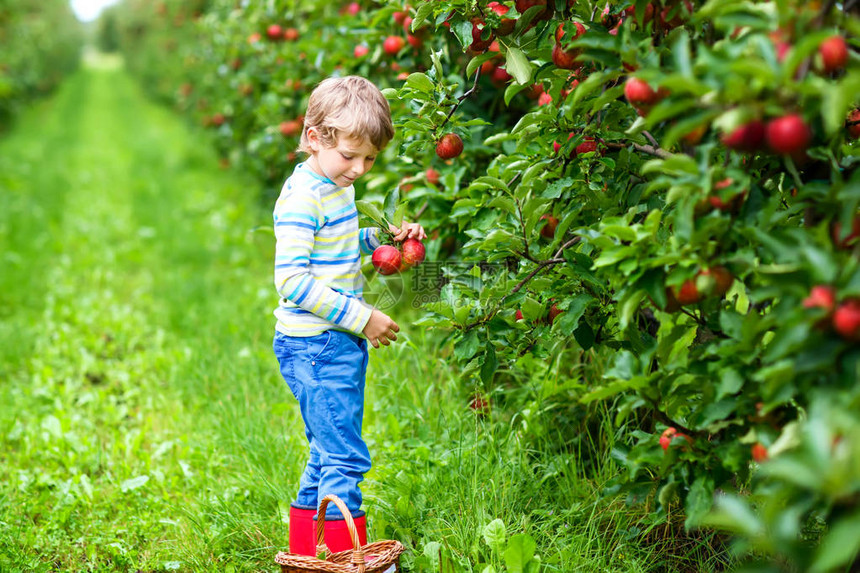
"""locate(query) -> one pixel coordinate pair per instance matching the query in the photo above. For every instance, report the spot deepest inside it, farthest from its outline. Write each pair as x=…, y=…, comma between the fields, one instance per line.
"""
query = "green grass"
x=143, y=421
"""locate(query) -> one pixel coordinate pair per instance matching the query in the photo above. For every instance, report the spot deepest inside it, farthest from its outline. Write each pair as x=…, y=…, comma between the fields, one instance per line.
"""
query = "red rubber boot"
x=303, y=530
x=337, y=536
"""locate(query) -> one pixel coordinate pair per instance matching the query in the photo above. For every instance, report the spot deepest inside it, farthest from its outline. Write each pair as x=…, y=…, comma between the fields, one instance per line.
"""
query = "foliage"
x=669, y=254
x=41, y=45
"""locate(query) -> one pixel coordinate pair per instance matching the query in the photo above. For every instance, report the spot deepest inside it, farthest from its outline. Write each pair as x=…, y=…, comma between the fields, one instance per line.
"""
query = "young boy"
x=323, y=323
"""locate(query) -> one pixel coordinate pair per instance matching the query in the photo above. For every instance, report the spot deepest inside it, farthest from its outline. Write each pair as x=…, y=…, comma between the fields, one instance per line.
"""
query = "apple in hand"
x=386, y=260
x=413, y=253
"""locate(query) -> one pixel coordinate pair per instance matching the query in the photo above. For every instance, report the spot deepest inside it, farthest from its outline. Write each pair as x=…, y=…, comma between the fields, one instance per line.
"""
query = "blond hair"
x=350, y=106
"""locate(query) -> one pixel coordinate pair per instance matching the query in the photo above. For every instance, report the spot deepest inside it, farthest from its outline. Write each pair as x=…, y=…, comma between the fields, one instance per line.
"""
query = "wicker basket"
x=377, y=557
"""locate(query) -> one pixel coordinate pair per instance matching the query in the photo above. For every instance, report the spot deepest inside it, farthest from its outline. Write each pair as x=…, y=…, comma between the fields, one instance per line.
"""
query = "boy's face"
x=348, y=160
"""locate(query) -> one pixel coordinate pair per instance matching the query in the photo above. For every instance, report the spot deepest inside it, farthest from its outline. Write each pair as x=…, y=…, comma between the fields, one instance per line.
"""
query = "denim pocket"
x=321, y=346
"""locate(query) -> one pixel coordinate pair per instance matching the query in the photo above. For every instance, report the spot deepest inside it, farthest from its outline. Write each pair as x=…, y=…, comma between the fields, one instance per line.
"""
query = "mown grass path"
x=141, y=417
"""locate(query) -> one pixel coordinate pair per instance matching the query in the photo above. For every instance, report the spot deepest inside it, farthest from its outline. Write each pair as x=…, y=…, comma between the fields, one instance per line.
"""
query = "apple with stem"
x=449, y=146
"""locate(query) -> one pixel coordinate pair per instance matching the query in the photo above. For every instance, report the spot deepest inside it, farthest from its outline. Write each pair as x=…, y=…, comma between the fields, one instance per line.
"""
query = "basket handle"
x=357, y=553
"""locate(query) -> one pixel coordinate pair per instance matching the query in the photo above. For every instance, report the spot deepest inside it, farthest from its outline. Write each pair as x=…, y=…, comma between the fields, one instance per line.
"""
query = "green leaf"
x=133, y=483
x=518, y=65
x=841, y=545
x=392, y=198
x=419, y=81
x=568, y=321
x=463, y=31
x=424, y=11
x=512, y=90
x=734, y=514
x=467, y=346
x=495, y=535
x=699, y=500
x=629, y=306
x=584, y=335
x=520, y=551
x=476, y=62
x=371, y=211
x=489, y=365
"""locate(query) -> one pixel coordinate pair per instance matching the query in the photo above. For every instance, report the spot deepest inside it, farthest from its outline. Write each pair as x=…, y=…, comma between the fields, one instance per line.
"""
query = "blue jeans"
x=326, y=375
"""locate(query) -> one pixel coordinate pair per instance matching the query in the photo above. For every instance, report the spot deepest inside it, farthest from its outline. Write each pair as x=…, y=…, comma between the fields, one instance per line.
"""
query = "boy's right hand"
x=380, y=329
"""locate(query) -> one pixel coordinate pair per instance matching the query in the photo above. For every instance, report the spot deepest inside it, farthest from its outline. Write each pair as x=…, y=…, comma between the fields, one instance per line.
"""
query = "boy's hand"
x=407, y=231
x=380, y=329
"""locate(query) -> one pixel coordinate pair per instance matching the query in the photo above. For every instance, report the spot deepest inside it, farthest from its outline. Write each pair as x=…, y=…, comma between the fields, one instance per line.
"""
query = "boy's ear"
x=313, y=139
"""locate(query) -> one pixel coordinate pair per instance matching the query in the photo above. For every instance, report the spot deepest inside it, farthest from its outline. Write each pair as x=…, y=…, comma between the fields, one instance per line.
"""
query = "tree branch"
x=462, y=98
x=649, y=149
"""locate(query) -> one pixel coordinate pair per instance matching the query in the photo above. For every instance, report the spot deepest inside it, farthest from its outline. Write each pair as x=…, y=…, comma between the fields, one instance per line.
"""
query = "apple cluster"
x=389, y=259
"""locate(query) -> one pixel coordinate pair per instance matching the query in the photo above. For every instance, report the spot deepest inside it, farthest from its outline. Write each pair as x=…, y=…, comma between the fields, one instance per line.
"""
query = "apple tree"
x=41, y=46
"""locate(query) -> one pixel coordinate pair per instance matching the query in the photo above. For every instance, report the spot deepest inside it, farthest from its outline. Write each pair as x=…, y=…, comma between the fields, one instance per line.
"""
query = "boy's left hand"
x=408, y=231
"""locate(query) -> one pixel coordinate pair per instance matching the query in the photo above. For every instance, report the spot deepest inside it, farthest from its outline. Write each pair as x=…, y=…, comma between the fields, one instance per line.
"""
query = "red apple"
x=588, y=145
x=360, y=51
x=729, y=205
x=449, y=146
x=432, y=176
x=789, y=134
x=666, y=437
x=834, y=54
x=413, y=253
x=544, y=98
x=847, y=242
x=759, y=452
x=353, y=8
x=507, y=24
x=386, y=260
x=414, y=41
x=854, y=130
x=478, y=44
x=290, y=128
x=748, y=137
x=567, y=32
x=274, y=32
x=523, y=5
x=291, y=34
x=639, y=93
x=501, y=76
x=688, y=293
x=548, y=230
x=393, y=44
x=565, y=59
x=554, y=311
x=821, y=296
x=846, y=319
x=723, y=279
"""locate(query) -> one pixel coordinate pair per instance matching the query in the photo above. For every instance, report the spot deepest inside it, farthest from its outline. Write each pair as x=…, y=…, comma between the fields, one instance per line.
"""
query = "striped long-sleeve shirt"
x=318, y=256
